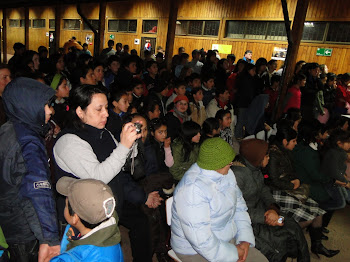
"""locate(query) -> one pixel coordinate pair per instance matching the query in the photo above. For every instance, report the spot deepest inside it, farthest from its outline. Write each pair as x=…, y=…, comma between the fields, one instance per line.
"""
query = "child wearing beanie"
x=268, y=224
x=210, y=221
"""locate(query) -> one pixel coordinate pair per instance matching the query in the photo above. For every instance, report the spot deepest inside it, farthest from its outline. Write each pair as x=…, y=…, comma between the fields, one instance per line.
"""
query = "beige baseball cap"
x=91, y=199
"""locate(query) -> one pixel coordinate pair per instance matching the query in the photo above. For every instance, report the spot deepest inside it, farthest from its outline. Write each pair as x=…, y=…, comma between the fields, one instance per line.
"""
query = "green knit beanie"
x=215, y=153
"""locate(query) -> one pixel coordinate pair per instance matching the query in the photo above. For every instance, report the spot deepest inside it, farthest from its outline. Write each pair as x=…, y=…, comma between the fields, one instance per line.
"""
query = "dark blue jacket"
x=27, y=207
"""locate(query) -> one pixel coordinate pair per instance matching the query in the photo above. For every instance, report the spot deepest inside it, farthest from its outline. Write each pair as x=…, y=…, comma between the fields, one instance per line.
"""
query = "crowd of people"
x=91, y=143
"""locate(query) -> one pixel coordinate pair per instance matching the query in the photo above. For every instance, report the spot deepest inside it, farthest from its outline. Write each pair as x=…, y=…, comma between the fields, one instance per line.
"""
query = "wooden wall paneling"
x=14, y=34
x=4, y=35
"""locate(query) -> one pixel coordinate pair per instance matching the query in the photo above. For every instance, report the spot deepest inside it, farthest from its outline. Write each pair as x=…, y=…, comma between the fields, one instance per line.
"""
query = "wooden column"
x=26, y=27
x=4, y=35
x=101, y=27
x=170, y=39
x=57, y=27
x=293, y=48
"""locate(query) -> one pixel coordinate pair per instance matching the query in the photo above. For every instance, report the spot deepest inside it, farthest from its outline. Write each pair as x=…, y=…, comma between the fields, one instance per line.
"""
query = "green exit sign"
x=324, y=51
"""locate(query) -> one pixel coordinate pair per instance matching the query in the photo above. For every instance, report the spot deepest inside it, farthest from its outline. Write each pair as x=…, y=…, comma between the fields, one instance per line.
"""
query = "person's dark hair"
x=311, y=66
x=221, y=114
x=85, y=44
x=42, y=49
x=184, y=56
x=331, y=77
x=323, y=76
x=189, y=129
x=181, y=48
x=179, y=83
x=285, y=132
x=3, y=66
x=196, y=90
x=221, y=63
x=240, y=61
x=129, y=117
x=249, y=66
x=110, y=43
x=308, y=131
x=272, y=61
x=298, y=64
x=86, y=224
x=126, y=47
x=81, y=97
x=210, y=53
x=116, y=94
x=194, y=76
x=160, y=55
x=135, y=82
x=74, y=38
x=112, y=58
x=133, y=52
x=18, y=46
x=194, y=52
x=219, y=90
x=150, y=63
x=78, y=73
x=299, y=77
x=207, y=77
x=48, y=79
x=345, y=77
x=130, y=59
x=150, y=106
x=82, y=59
x=338, y=135
x=119, y=45
x=147, y=53
x=96, y=63
x=260, y=62
x=156, y=123
x=53, y=60
x=232, y=57
x=293, y=114
x=248, y=51
x=209, y=125
x=275, y=79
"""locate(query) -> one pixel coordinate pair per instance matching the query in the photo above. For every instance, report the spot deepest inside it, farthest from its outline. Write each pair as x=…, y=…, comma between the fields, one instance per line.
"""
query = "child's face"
x=181, y=90
x=138, y=90
x=196, y=138
x=209, y=84
x=225, y=96
x=132, y=68
x=198, y=96
x=122, y=105
x=129, y=93
x=345, y=146
x=226, y=121
x=98, y=72
x=155, y=113
x=62, y=90
x=182, y=106
x=89, y=79
x=67, y=216
x=114, y=67
x=196, y=83
x=160, y=134
x=153, y=69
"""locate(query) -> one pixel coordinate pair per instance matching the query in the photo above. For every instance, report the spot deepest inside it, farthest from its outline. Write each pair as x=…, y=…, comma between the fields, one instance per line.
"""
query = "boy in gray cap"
x=93, y=232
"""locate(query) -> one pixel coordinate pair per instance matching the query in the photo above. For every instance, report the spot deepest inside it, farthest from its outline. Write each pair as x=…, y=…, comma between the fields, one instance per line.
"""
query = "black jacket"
x=27, y=207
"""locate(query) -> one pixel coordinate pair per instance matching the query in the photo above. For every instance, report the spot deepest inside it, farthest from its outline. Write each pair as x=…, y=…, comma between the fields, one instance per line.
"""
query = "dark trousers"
x=27, y=252
x=139, y=232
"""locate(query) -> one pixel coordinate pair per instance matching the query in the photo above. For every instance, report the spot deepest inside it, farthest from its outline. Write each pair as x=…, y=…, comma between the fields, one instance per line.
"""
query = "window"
x=93, y=22
x=52, y=23
x=38, y=23
x=150, y=26
x=126, y=26
x=71, y=24
x=276, y=31
x=197, y=27
x=314, y=31
x=264, y=30
x=339, y=32
x=14, y=23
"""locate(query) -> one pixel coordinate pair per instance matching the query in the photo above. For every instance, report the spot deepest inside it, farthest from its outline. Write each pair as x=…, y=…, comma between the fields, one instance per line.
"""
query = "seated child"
x=137, y=93
x=179, y=90
x=93, y=232
x=210, y=129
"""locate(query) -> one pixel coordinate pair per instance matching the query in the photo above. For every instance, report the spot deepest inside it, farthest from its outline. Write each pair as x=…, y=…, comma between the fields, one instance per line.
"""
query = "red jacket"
x=273, y=95
x=342, y=96
x=295, y=98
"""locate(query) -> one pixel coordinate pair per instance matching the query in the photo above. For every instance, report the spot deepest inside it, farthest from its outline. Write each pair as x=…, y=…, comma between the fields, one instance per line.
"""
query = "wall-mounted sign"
x=223, y=49
x=137, y=41
x=111, y=37
x=47, y=33
x=279, y=53
x=324, y=51
x=88, y=39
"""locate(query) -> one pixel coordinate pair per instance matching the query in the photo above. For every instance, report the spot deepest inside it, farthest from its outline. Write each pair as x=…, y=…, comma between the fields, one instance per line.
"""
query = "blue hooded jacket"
x=27, y=207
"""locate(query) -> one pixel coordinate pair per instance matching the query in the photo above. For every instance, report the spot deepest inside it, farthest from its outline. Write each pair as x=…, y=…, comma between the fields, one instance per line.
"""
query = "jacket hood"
x=24, y=102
